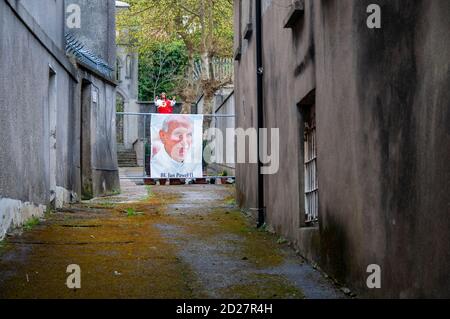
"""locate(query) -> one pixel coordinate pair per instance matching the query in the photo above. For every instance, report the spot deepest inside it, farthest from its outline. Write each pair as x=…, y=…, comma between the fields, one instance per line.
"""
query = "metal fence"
x=147, y=141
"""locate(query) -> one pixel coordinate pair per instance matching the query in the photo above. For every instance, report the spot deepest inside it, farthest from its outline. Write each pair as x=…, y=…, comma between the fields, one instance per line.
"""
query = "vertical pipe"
x=145, y=146
x=259, y=89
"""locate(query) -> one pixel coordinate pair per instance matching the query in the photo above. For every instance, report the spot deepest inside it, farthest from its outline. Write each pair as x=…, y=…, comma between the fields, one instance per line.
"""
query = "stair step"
x=126, y=157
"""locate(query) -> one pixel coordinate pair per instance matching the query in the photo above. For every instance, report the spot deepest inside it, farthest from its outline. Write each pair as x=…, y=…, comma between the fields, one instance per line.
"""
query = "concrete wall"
x=128, y=89
x=97, y=30
x=382, y=108
x=103, y=139
x=245, y=104
x=97, y=137
x=393, y=84
x=27, y=123
x=129, y=81
x=131, y=124
x=41, y=123
x=49, y=14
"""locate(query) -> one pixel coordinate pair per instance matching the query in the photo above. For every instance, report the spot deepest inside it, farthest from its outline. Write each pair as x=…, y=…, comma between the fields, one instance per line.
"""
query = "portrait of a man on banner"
x=176, y=146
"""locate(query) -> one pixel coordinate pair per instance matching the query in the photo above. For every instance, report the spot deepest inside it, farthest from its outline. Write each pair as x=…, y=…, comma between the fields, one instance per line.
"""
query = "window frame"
x=307, y=124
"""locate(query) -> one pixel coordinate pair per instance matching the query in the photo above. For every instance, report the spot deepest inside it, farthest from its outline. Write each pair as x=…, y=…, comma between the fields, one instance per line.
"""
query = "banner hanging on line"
x=176, y=146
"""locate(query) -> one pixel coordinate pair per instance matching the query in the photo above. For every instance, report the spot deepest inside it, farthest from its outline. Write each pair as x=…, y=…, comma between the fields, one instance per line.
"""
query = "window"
x=248, y=28
x=238, y=41
x=52, y=113
x=120, y=108
x=309, y=185
x=296, y=12
x=118, y=70
x=128, y=67
x=311, y=182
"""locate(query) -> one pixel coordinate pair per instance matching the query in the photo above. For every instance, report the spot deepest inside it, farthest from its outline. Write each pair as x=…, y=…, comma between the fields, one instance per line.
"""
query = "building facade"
x=127, y=75
x=57, y=99
x=364, y=119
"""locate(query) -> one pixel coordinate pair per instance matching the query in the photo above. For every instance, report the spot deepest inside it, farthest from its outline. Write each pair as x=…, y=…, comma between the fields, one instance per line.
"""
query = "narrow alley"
x=156, y=242
x=225, y=149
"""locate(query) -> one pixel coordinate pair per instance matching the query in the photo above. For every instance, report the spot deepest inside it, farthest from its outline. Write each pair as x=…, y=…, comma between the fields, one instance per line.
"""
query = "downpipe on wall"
x=260, y=105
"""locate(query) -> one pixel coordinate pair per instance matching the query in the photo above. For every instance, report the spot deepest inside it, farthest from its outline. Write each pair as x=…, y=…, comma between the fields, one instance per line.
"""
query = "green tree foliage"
x=205, y=27
x=161, y=69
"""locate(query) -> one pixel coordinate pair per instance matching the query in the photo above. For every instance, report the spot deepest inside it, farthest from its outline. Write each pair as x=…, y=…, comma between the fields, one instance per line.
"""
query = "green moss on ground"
x=31, y=223
x=263, y=286
x=259, y=248
x=124, y=257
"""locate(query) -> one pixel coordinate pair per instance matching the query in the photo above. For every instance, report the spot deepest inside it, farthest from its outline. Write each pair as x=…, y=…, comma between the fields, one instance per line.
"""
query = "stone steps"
x=127, y=158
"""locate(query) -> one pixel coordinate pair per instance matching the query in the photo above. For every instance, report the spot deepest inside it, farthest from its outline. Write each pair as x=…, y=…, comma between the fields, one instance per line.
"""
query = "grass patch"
x=115, y=192
x=258, y=247
x=31, y=223
x=131, y=212
x=263, y=228
x=49, y=211
x=231, y=202
x=150, y=192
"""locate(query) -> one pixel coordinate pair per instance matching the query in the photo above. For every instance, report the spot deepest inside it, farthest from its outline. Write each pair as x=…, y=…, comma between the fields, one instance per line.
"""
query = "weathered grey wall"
x=98, y=25
x=382, y=104
x=49, y=14
x=24, y=106
x=128, y=89
x=385, y=177
x=27, y=57
x=67, y=117
x=289, y=75
x=97, y=136
x=128, y=83
x=245, y=103
x=103, y=139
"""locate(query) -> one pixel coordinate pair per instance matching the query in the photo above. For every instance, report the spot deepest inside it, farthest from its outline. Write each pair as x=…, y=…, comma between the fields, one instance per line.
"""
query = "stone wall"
x=41, y=97
x=382, y=112
x=28, y=58
x=98, y=25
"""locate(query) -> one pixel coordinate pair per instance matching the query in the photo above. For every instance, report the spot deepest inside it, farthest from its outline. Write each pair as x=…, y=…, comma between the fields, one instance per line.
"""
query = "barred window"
x=311, y=181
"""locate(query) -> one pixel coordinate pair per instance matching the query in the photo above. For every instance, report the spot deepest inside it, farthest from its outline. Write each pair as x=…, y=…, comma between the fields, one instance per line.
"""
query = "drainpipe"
x=259, y=101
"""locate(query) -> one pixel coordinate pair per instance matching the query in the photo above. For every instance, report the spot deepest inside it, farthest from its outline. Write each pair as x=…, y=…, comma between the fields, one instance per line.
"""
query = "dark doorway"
x=52, y=111
x=86, y=167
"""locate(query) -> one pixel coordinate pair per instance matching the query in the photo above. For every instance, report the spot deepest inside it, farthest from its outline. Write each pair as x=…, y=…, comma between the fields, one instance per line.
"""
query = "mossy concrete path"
x=158, y=242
